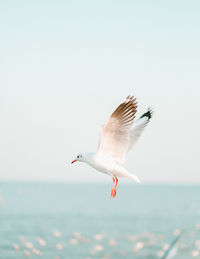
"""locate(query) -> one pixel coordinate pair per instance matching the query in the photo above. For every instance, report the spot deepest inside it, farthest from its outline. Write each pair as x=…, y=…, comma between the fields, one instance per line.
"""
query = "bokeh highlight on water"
x=79, y=220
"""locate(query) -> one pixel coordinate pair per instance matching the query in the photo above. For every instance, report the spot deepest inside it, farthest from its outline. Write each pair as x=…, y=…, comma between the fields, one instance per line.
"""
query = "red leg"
x=116, y=182
x=113, y=189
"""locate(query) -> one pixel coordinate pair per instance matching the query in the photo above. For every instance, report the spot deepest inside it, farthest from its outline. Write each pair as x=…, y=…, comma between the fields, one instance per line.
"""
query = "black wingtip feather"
x=148, y=114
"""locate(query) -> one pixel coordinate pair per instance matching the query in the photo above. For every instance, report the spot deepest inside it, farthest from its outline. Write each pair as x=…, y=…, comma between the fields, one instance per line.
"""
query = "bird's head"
x=80, y=157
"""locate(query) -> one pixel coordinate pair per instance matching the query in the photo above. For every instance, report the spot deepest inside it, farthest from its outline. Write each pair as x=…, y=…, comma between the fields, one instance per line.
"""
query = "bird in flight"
x=117, y=136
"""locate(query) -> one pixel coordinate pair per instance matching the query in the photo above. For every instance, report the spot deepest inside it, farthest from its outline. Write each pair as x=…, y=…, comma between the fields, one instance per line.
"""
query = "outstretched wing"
x=115, y=136
x=138, y=127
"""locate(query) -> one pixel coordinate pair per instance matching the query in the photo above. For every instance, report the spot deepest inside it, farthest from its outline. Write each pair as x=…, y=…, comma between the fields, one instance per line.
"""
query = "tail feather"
x=123, y=172
x=132, y=177
x=135, y=178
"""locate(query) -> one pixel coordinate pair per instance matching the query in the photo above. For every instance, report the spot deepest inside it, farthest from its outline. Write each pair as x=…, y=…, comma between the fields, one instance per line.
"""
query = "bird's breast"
x=103, y=163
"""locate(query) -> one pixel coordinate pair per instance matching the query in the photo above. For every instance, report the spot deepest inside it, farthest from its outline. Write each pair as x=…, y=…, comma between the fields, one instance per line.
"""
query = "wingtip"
x=130, y=98
x=148, y=114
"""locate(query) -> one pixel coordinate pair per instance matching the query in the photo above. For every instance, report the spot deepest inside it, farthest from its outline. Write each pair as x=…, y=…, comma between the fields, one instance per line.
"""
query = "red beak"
x=74, y=161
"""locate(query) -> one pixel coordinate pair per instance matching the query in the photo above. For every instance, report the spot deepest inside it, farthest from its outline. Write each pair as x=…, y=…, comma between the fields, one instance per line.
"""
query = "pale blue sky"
x=66, y=65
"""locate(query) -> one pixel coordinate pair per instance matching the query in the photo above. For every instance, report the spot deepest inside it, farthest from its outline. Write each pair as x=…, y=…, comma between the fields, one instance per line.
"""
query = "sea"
x=60, y=220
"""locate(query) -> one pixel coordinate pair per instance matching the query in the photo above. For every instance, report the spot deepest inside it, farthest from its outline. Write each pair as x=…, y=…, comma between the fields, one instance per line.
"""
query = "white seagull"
x=117, y=137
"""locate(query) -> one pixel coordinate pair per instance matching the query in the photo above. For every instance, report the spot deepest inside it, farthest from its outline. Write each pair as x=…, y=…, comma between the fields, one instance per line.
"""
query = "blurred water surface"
x=79, y=220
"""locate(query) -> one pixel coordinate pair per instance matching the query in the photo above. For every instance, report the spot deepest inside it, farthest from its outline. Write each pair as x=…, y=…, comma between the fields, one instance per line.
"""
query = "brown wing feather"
x=125, y=112
x=114, y=136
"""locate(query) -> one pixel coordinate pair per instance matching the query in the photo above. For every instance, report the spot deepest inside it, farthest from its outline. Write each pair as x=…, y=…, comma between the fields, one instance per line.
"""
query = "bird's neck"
x=89, y=157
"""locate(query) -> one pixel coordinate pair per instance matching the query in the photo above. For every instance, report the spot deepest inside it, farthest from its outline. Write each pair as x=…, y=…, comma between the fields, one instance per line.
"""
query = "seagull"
x=117, y=136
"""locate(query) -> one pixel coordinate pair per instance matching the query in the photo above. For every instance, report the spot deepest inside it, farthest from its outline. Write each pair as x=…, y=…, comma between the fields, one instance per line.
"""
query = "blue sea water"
x=139, y=223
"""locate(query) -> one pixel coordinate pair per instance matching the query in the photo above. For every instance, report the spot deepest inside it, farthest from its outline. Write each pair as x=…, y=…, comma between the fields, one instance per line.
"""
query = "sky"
x=66, y=65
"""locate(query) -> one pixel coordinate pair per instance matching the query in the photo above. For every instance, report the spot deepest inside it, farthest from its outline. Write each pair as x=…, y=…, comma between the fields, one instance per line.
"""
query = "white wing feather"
x=137, y=130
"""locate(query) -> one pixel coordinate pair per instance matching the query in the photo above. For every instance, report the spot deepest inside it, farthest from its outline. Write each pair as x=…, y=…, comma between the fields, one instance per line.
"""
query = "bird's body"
x=104, y=163
x=117, y=137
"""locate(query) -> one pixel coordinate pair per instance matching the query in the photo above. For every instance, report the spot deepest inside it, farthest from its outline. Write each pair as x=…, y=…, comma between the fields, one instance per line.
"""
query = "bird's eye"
x=77, y=156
